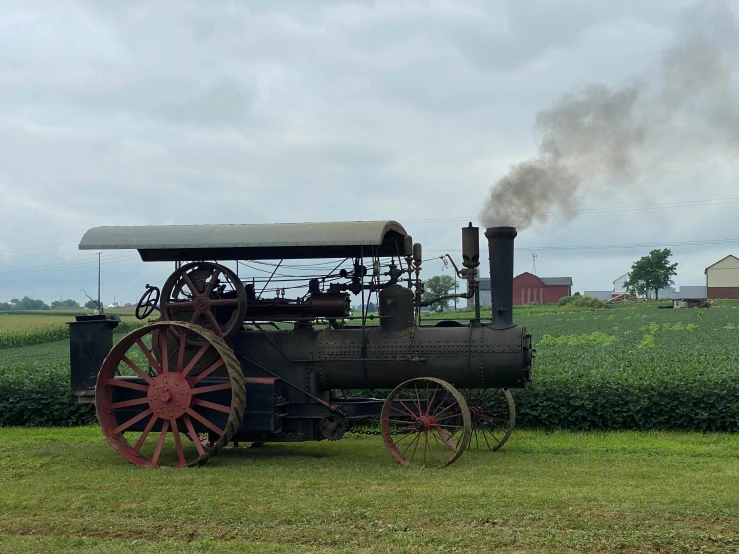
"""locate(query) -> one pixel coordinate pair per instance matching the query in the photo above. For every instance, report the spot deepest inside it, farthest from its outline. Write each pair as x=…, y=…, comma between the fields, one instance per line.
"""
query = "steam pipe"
x=500, y=247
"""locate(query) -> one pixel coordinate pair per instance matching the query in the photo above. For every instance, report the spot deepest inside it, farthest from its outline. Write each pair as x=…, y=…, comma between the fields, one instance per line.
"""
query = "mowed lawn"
x=65, y=490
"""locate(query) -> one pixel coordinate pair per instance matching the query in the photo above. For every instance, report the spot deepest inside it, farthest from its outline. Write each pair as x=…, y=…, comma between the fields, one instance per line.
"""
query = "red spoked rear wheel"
x=425, y=421
x=155, y=404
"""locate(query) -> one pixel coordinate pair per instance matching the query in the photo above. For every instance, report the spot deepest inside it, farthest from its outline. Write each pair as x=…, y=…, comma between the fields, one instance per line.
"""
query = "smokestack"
x=500, y=247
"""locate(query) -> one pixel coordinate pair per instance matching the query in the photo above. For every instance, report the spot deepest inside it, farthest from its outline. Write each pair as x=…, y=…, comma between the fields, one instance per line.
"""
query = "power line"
x=77, y=264
x=707, y=242
x=665, y=205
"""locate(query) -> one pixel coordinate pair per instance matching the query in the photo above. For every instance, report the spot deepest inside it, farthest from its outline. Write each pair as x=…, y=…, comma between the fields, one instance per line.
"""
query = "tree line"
x=29, y=304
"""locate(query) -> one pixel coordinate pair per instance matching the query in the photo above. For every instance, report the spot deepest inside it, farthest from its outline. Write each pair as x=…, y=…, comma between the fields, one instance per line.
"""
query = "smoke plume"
x=600, y=137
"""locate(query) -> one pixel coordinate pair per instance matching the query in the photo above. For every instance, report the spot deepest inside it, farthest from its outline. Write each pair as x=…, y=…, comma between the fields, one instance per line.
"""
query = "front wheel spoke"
x=212, y=406
x=136, y=418
x=209, y=424
x=430, y=402
x=441, y=447
x=407, y=409
x=211, y=388
x=404, y=412
x=140, y=372
x=405, y=436
x=178, y=443
x=163, y=347
x=148, y=354
x=160, y=444
x=144, y=434
x=416, y=441
x=193, y=435
x=195, y=316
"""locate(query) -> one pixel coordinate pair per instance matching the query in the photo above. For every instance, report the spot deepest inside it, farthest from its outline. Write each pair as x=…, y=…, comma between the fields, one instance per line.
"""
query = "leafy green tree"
x=651, y=272
x=69, y=303
x=4, y=306
x=91, y=305
x=27, y=303
x=371, y=308
x=436, y=286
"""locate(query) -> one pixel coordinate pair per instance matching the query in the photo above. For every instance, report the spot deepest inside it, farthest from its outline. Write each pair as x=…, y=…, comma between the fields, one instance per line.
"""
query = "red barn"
x=528, y=288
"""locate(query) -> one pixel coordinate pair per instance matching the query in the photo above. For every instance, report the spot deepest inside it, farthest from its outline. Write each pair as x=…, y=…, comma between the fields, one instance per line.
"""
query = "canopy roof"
x=339, y=239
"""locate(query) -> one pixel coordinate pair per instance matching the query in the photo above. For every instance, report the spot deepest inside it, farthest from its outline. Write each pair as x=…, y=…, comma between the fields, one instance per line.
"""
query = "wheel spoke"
x=214, y=322
x=134, y=419
x=164, y=351
x=193, y=435
x=212, y=283
x=430, y=402
x=181, y=352
x=416, y=441
x=127, y=403
x=403, y=412
x=140, y=372
x=224, y=302
x=160, y=444
x=212, y=405
x=195, y=316
x=190, y=285
x=127, y=385
x=195, y=360
x=179, y=306
x=211, y=388
x=144, y=434
x=207, y=372
x=148, y=354
x=209, y=424
x=441, y=447
x=178, y=443
x=405, y=436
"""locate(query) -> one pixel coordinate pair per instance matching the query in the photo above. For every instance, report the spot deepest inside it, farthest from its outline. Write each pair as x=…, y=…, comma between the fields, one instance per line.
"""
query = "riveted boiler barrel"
x=467, y=357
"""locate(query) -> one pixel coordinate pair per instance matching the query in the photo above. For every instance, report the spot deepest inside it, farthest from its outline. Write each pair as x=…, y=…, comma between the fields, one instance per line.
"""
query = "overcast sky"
x=131, y=113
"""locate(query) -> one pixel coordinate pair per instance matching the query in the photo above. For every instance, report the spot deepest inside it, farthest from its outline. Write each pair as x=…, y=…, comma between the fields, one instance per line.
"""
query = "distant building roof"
x=690, y=293
x=557, y=281
x=705, y=271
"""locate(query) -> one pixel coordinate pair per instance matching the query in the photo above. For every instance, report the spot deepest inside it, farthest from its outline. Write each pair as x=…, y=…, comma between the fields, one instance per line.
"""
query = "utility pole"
x=98, y=280
x=533, y=257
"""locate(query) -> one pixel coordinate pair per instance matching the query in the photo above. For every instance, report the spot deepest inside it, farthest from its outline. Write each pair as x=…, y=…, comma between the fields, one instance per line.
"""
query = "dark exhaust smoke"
x=681, y=114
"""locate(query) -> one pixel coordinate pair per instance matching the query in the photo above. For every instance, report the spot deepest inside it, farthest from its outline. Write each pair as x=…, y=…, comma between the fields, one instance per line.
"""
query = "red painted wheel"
x=154, y=410
x=493, y=415
x=208, y=294
x=425, y=421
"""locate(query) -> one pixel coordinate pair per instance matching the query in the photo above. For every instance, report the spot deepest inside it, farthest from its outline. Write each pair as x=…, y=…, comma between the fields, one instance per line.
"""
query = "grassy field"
x=67, y=491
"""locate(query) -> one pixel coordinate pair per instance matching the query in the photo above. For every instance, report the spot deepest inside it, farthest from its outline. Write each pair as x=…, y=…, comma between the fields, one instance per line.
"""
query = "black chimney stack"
x=500, y=247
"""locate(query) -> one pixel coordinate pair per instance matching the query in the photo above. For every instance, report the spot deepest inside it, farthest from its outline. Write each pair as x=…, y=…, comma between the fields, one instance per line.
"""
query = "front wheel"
x=425, y=421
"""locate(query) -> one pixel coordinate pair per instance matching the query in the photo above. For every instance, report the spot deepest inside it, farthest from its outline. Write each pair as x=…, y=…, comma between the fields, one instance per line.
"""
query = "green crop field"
x=547, y=490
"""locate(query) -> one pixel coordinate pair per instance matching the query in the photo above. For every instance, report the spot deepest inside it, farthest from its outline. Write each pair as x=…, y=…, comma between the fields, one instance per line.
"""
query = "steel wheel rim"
x=172, y=402
x=493, y=414
x=199, y=309
x=425, y=422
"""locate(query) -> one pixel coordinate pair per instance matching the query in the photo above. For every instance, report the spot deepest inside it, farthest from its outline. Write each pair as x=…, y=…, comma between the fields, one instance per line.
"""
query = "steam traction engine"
x=236, y=359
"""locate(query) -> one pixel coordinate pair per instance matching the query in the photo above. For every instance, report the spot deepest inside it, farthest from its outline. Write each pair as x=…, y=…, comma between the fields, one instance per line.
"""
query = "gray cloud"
x=599, y=136
x=191, y=112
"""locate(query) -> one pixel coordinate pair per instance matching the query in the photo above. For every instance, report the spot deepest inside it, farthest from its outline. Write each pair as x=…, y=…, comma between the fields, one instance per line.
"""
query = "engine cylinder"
x=396, y=309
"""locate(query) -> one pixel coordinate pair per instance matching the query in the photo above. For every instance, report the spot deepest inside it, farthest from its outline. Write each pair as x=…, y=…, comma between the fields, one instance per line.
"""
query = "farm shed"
x=690, y=297
x=485, y=298
x=722, y=278
x=528, y=288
